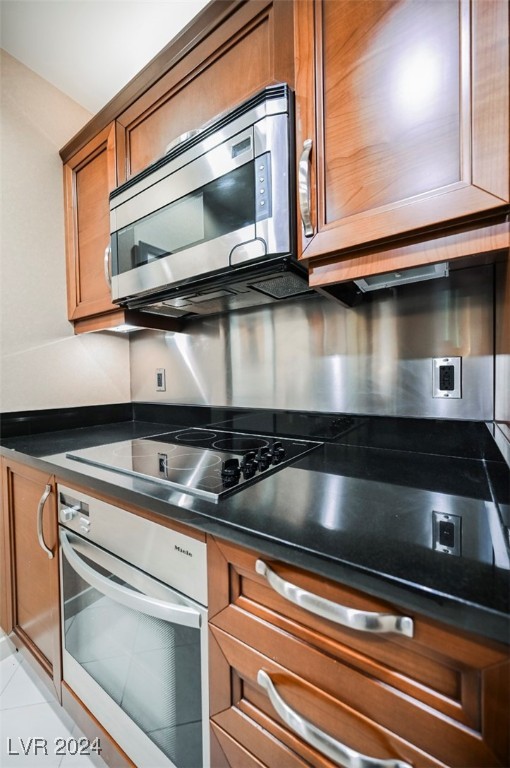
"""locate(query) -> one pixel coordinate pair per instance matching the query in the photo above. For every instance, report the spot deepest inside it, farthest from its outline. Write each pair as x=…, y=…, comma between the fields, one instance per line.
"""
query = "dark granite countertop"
x=359, y=509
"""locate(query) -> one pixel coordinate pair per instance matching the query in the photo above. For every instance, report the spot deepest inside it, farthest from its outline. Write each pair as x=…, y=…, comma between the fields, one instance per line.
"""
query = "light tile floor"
x=27, y=711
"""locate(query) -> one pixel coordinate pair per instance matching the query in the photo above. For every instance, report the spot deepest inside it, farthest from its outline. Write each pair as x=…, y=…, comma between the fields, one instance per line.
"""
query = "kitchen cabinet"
x=404, y=106
x=89, y=176
x=401, y=133
x=252, y=42
x=194, y=84
x=437, y=698
x=30, y=605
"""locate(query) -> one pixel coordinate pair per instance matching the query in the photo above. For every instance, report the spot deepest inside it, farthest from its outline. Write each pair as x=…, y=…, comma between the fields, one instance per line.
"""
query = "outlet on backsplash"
x=446, y=377
x=160, y=380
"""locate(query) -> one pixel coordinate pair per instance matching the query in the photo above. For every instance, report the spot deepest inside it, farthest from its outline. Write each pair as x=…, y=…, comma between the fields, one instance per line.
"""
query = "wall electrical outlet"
x=160, y=380
x=446, y=377
x=447, y=533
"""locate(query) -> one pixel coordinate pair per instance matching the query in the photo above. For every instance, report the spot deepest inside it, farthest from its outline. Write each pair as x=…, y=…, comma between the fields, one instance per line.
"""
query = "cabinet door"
x=88, y=179
x=32, y=585
x=252, y=48
x=406, y=104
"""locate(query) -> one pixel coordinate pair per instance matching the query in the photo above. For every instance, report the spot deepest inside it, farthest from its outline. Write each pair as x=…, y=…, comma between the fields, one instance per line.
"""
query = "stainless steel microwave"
x=209, y=227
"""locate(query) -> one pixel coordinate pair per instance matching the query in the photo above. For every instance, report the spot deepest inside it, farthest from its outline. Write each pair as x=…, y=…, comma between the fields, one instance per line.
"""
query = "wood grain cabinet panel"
x=32, y=586
x=408, y=116
x=251, y=49
x=438, y=698
x=88, y=179
x=343, y=723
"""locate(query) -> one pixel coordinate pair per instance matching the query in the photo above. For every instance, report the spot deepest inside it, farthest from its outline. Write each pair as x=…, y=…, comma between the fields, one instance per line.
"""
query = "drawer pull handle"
x=304, y=188
x=40, y=510
x=324, y=743
x=363, y=621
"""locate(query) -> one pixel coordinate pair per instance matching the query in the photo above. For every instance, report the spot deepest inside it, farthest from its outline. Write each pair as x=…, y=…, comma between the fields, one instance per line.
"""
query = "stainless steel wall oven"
x=134, y=626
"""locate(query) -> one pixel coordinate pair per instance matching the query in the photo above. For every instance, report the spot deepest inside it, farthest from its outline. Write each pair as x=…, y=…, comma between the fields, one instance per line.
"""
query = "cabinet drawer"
x=437, y=687
x=258, y=748
x=252, y=720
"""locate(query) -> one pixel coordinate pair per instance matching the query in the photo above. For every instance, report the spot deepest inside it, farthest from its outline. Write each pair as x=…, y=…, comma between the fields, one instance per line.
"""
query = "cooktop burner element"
x=205, y=462
x=238, y=443
x=193, y=435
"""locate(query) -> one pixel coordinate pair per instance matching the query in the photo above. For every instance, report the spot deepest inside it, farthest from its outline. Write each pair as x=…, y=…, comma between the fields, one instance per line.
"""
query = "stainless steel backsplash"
x=314, y=354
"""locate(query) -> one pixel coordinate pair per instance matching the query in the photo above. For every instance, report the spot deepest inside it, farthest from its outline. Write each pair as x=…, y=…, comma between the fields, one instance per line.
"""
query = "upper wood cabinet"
x=89, y=176
x=229, y=52
x=30, y=592
x=251, y=49
x=406, y=104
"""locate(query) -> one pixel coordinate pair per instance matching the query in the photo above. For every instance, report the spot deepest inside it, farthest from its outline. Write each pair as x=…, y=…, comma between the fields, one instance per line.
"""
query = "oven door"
x=135, y=653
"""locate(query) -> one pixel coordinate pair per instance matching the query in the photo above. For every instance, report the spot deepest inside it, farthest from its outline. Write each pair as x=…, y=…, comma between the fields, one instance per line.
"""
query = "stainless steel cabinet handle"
x=40, y=510
x=324, y=743
x=363, y=621
x=180, y=139
x=108, y=265
x=304, y=188
x=151, y=606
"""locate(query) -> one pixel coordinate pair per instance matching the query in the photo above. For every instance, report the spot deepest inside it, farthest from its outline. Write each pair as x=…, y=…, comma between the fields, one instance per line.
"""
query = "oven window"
x=150, y=667
x=222, y=206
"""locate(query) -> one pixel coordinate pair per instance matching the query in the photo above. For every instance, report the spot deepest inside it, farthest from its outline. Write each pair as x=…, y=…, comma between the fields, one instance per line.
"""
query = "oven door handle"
x=151, y=606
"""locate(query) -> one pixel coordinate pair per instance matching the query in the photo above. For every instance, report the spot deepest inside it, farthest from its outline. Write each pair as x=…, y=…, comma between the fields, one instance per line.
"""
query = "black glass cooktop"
x=205, y=462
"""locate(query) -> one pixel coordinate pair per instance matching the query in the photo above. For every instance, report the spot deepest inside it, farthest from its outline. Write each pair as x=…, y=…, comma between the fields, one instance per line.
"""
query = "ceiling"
x=90, y=49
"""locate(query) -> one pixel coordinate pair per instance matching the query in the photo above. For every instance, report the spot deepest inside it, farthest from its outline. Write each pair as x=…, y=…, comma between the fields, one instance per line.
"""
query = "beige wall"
x=42, y=364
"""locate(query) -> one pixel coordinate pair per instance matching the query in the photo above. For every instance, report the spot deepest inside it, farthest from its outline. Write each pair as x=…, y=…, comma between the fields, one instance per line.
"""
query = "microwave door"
x=192, y=235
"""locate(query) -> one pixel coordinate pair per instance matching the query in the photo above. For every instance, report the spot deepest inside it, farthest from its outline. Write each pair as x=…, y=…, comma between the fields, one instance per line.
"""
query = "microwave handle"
x=152, y=606
x=304, y=188
x=108, y=265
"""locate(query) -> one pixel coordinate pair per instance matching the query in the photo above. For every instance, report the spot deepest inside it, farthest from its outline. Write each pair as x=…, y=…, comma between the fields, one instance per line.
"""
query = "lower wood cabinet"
x=289, y=686
x=30, y=610
x=436, y=698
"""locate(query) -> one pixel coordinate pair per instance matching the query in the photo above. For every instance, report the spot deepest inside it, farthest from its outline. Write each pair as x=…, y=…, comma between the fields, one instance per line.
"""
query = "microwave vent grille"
x=283, y=286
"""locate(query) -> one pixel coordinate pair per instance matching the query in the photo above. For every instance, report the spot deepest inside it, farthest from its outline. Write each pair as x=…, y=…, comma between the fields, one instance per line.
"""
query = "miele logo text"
x=183, y=551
